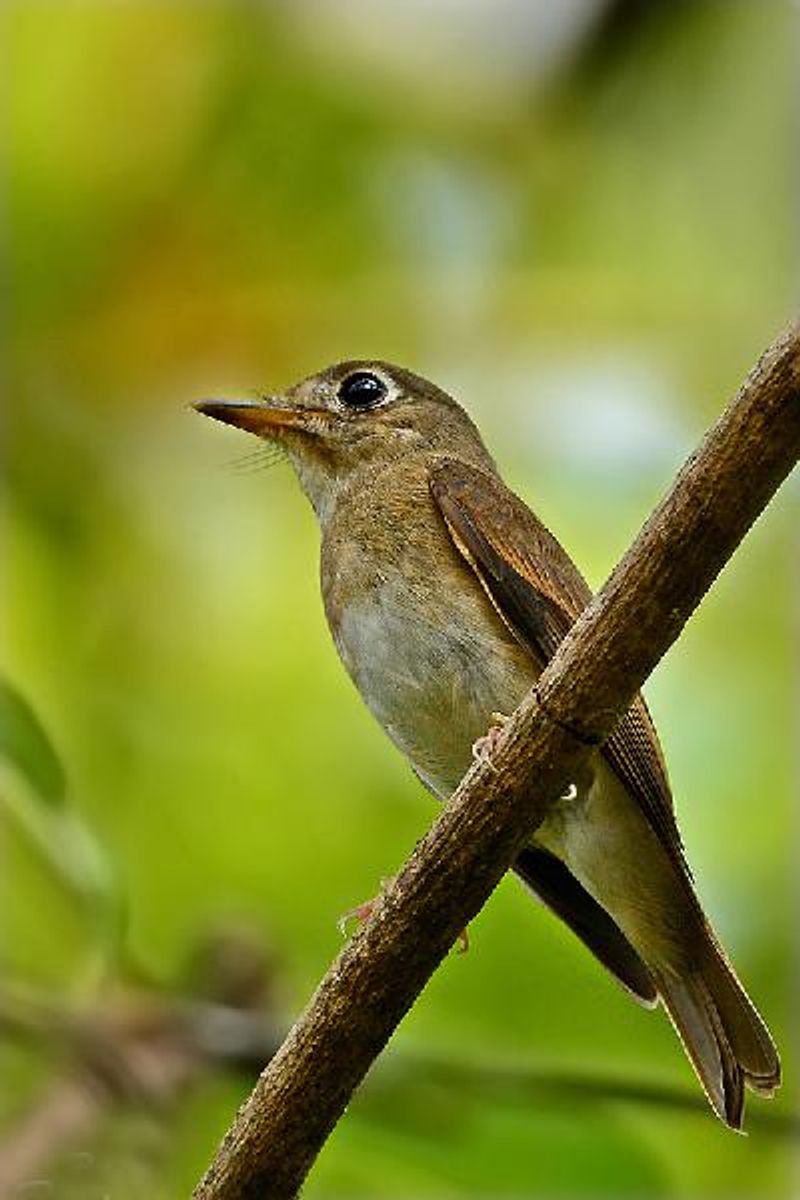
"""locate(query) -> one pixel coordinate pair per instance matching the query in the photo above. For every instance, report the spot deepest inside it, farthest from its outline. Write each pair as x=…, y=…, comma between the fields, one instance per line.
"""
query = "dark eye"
x=362, y=390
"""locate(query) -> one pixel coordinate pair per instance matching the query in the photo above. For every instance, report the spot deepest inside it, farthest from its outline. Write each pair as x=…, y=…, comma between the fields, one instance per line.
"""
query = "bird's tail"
x=725, y=1038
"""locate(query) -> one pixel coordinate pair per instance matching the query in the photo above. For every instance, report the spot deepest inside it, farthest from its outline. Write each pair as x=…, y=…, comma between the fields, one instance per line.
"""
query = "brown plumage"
x=539, y=593
x=446, y=596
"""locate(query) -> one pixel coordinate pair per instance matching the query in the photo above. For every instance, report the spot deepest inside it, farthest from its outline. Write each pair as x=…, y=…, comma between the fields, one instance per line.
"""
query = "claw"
x=484, y=747
x=361, y=912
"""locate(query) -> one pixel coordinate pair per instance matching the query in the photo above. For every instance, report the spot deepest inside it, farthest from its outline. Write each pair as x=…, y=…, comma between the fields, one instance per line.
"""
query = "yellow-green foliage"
x=202, y=198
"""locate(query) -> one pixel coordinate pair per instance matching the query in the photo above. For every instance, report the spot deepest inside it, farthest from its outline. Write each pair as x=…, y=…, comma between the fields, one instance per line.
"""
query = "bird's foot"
x=361, y=912
x=484, y=747
x=571, y=793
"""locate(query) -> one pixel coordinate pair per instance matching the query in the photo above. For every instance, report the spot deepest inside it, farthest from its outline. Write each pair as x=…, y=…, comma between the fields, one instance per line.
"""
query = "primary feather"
x=665, y=945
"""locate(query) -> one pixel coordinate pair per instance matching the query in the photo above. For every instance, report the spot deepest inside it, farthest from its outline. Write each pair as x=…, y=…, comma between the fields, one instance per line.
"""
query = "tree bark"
x=590, y=682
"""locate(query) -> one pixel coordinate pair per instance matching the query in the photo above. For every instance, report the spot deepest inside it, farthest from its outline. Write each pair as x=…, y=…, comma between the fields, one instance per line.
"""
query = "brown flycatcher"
x=445, y=597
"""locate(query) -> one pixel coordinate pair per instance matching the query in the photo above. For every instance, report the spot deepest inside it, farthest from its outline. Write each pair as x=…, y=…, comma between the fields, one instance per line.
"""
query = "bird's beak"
x=261, y=417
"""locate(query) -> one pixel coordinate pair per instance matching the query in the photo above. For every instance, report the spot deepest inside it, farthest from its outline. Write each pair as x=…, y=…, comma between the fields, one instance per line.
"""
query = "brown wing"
x=539, y=593
x=553, y=883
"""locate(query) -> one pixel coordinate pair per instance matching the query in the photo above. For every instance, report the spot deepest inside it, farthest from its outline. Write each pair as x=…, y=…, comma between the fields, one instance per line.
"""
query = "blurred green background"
x=580, y=219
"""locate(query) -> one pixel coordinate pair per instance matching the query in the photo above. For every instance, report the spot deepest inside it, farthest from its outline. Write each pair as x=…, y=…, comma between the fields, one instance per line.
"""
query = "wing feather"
x=539, y=593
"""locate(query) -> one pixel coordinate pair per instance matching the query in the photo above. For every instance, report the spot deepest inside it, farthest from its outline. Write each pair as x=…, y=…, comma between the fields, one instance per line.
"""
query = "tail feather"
x=749, y=1037
x=727, y=1042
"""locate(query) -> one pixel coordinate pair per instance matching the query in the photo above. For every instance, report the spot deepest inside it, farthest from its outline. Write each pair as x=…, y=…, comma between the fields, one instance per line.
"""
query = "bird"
x=446, y=597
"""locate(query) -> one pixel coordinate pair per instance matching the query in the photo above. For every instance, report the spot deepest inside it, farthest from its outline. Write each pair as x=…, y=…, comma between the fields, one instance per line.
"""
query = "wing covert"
x=539, y=593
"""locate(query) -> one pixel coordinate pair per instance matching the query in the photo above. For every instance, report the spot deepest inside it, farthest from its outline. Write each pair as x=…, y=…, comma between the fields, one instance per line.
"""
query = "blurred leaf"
x=37, y=799
x=24, y=743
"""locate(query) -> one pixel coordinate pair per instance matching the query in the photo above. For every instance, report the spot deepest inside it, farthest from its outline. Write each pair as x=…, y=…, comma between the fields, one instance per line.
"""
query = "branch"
x=590, y=682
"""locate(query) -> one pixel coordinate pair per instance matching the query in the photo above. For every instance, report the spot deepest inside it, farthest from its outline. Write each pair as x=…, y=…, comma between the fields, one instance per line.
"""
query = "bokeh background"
x=581, y=219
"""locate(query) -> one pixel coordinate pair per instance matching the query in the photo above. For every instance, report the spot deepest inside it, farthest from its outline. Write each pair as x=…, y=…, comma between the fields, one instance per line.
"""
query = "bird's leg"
x=483, y=747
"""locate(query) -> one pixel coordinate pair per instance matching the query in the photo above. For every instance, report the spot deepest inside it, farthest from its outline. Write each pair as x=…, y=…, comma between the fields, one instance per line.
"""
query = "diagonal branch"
x=605, y=658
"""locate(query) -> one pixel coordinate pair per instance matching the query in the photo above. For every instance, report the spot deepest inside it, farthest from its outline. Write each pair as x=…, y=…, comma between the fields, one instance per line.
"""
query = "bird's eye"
x=362, y=390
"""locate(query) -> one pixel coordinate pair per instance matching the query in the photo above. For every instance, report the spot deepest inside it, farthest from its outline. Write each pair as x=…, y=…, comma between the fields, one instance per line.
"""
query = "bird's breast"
x=429, y=655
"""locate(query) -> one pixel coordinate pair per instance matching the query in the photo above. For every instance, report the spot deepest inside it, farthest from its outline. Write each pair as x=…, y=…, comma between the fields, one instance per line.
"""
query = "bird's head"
x=352, y=416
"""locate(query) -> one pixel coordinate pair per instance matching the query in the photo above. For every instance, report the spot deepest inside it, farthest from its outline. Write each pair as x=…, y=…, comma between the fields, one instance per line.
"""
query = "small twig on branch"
x=599, y=666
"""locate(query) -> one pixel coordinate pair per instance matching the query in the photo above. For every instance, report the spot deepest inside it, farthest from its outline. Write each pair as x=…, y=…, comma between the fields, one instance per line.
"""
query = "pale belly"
x=432, y=682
